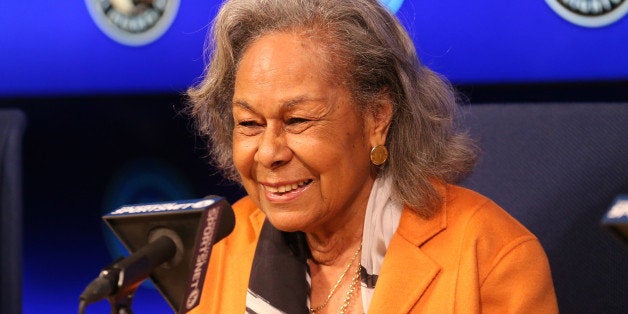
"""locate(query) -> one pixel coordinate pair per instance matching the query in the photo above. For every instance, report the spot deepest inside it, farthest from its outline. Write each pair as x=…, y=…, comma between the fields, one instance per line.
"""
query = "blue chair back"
x=12, y=123
x=557, y=168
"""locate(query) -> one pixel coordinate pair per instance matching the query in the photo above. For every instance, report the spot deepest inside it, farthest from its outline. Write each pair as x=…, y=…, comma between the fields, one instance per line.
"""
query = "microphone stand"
x=120, y=301
x=121, y=304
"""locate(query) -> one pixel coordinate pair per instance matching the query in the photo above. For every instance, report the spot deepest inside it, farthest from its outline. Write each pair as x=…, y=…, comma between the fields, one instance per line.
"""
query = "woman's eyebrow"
x=286, y=104
x=291, y=103
x=243, y=105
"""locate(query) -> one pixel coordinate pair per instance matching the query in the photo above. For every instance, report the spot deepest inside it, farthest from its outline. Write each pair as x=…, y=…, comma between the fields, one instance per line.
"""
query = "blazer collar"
x=407, y=271
x=417, y=230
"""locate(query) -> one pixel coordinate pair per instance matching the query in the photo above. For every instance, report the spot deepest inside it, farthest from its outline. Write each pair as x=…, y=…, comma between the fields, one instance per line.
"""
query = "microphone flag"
x=194, y=225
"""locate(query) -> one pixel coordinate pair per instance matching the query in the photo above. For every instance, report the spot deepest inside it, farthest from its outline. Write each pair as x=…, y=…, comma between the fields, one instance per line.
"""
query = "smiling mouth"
x=286, y=188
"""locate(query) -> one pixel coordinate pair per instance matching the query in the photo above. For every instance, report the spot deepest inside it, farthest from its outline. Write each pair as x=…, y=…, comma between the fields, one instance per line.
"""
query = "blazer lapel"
x=407, y=271
x=405, y=274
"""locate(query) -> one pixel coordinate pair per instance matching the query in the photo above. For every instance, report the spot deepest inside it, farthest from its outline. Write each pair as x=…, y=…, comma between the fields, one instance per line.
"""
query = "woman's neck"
x=336, y=248
x=333, y=266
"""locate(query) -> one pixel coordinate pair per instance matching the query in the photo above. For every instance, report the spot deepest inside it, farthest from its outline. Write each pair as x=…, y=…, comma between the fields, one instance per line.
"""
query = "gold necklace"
x=333, y=289
x=354, y=282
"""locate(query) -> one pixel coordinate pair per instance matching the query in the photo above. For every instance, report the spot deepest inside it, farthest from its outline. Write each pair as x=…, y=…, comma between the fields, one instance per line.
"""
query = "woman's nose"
x=273, y=151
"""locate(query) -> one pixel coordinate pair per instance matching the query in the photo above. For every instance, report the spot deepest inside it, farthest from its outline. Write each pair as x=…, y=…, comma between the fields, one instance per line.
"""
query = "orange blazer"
x=470, y=257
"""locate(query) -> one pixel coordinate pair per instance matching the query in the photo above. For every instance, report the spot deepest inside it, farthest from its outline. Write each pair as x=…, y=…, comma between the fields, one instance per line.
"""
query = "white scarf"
x=381, y=222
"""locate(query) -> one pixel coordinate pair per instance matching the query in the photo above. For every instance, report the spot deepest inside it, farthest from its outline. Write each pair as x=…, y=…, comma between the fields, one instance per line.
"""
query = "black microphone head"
x=616, y=219
x=183, y=221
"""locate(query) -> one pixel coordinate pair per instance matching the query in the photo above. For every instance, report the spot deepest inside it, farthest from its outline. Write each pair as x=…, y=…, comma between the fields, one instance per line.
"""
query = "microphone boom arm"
x=119, y=280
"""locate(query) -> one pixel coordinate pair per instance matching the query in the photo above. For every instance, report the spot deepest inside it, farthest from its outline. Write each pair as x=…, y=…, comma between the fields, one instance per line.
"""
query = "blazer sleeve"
x=519, y=280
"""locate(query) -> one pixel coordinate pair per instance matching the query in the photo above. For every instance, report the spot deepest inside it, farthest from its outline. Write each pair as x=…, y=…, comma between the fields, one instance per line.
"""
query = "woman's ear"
x=380, y=116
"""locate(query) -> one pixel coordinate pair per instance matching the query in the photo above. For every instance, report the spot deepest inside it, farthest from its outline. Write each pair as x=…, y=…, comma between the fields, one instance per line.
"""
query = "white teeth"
x=285, y=188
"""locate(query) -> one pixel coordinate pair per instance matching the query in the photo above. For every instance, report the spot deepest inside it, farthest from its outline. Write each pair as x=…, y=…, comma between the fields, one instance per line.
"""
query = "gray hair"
x=374, y=53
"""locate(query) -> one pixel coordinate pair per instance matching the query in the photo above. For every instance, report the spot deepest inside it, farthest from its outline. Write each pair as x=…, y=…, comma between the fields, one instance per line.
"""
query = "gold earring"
x=379, y=155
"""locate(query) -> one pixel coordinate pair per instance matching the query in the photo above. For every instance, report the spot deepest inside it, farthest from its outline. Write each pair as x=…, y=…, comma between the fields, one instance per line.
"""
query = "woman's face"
x=299, y=143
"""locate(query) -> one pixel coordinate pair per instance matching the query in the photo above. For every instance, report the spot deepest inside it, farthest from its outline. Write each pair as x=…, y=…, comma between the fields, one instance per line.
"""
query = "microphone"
x=616, y=219
x=170, y=242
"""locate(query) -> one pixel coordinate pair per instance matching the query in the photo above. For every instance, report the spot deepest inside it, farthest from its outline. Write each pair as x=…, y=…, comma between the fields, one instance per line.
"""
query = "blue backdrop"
x=55, y=48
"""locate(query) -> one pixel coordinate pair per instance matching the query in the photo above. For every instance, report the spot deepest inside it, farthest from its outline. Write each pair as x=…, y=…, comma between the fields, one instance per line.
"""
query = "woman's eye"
x=248, y=123
x=249, y=127
x=297, y=120
x=297, y=125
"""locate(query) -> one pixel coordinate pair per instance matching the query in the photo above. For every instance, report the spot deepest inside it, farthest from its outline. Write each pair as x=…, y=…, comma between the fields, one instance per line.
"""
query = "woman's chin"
x=289, y=222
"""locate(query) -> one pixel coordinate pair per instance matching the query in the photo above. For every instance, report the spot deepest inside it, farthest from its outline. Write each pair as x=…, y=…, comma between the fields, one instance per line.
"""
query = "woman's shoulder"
x=483, y=225
x=475, y=212
x=249, y=219
x=466, y=216
x=245, y=207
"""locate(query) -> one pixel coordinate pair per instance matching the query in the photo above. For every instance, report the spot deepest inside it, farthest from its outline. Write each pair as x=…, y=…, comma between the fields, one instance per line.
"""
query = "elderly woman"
x=346, y=147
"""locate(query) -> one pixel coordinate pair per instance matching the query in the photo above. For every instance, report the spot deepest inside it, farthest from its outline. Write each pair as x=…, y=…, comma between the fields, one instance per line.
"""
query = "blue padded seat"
x=557, y=168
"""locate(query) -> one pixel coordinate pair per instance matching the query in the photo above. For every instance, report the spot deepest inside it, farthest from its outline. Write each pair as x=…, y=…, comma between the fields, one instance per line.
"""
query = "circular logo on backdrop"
x=133, y=22
x=590, y=13
x=392, y=5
